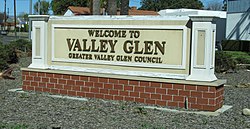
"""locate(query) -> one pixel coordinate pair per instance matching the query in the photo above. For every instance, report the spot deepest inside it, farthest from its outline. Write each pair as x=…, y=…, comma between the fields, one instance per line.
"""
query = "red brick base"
x=164, y=94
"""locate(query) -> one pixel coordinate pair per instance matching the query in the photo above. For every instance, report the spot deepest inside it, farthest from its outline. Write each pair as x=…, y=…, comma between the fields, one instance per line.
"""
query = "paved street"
x=11, y=36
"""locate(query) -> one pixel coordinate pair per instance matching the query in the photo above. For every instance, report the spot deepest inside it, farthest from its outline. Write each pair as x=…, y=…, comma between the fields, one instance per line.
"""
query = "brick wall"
x=164, y=94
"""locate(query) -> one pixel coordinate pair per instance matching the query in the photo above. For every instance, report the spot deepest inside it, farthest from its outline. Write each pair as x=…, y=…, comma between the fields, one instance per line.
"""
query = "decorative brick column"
x=200, y=97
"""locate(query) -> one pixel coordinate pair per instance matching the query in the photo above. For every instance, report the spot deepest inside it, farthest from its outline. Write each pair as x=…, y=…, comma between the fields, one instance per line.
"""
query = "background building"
x=238, y=25
x=220, y=22
x=238, y=20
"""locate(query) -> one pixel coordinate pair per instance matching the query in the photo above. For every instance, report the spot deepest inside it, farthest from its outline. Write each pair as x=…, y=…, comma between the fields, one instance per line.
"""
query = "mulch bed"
x=39, y=111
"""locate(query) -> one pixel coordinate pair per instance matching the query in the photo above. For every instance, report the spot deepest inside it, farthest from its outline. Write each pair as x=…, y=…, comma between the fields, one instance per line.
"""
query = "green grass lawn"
x=240, y=57
x=226, y=60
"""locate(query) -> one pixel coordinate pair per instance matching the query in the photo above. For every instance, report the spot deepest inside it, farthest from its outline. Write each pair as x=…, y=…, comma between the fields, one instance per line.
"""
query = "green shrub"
x=21, y=44
x=3, y=57
x=243, y=60
x=8, y=52
x=12, y=56
x=26, y=28
x=18, y=45
x=224, y=62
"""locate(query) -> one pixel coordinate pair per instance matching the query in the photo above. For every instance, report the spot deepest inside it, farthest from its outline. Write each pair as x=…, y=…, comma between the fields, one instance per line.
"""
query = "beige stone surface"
x=173, y=37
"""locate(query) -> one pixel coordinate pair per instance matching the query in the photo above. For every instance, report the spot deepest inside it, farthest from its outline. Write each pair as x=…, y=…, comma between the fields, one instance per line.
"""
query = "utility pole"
x=30, y=23
x=5, y=17
x=15, y=17
x=8, y=12
x=30, y=11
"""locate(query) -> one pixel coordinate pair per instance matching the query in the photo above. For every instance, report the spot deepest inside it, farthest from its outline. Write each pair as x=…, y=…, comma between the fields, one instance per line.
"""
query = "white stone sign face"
x=155, y=47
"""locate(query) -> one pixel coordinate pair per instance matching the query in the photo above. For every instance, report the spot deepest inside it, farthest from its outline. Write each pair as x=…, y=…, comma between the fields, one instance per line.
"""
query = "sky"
x=23, y=5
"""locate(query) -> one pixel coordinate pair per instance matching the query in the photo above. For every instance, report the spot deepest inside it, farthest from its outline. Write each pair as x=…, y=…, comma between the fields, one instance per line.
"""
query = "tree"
x=224, y=8
x=112, y=7
x=1, y=17
x=157, y=5
x=25, y=16
x=44, y=7
x=95, y=7
x=59, y=7
x=109, y=6
x=214, y=5
x=124, y=7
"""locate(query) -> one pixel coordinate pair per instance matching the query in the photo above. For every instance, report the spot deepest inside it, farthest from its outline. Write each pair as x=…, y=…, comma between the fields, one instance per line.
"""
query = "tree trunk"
x=112, y=7
x=124, y=7
x=96, y=7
